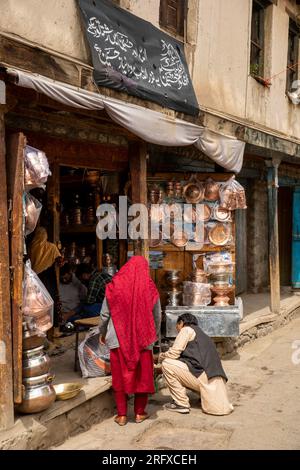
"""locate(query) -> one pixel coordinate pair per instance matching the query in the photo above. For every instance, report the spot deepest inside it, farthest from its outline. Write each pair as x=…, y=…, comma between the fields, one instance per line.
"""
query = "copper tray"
x=219, y=235
x=221, y=214
x=180, y=242
x=206, y=213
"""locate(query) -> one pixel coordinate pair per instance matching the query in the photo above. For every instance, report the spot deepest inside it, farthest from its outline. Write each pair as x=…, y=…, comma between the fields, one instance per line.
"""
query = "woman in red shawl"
x=131, y=316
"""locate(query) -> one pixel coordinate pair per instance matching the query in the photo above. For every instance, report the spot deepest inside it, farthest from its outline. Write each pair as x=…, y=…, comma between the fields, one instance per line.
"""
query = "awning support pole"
x=273, y=234
x=138, y=168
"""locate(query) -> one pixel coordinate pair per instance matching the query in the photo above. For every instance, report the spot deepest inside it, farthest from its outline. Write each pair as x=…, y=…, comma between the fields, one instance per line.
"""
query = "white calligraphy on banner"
x=120, y=50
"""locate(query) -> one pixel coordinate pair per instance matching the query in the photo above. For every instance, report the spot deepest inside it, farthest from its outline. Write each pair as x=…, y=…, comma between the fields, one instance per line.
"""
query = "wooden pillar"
x=273, y=234
x=54, y=202
x=6, y=382
x=99, y=243
x=138, y=169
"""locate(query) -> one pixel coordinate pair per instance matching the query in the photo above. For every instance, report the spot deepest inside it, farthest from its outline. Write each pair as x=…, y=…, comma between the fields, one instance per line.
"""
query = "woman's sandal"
x=121, y=420
x=141, y=418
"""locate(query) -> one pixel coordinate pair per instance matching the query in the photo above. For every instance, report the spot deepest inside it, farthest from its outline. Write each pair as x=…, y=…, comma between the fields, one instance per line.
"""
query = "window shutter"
x=172, y=14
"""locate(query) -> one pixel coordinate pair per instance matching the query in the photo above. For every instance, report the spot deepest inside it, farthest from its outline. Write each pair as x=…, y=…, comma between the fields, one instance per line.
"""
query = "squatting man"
x=193, y=363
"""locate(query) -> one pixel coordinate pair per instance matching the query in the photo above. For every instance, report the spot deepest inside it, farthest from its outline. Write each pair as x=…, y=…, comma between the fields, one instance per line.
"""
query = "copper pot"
x=196, y=299
x=35, y=362
x=38, y=394
x=211, y=190
x=32, y=341
x=193, y=191
x=198, y=275
x=180, y=242
x=221, y=292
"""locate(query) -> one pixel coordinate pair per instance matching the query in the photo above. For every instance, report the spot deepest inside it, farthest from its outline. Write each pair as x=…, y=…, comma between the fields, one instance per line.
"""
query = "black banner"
x=131, y=55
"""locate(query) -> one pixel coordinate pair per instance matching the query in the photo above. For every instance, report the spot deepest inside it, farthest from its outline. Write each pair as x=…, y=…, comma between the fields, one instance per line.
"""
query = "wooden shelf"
x=169, y=247
x=78, y=229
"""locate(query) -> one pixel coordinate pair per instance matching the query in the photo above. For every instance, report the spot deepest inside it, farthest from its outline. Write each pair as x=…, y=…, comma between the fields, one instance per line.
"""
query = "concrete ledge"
x=62, y=420
x=94, y=387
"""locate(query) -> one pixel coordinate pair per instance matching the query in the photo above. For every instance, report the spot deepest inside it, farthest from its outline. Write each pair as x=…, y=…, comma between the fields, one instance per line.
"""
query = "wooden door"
x=15, y=176
x=296, y=239
x=285, y=216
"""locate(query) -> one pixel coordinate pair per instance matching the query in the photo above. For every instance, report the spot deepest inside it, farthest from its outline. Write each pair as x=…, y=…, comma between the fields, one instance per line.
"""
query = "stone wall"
x=257, y=236
x=230, y=346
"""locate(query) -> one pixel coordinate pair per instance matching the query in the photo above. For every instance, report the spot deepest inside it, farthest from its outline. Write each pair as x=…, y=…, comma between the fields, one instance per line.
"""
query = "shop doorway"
x=285, y=217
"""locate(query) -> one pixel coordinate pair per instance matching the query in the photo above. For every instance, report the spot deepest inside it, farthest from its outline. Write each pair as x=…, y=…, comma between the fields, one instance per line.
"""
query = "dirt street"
x=264, y=386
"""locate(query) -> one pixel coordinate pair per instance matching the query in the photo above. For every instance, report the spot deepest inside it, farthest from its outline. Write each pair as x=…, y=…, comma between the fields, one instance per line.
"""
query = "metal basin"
x=67, y=390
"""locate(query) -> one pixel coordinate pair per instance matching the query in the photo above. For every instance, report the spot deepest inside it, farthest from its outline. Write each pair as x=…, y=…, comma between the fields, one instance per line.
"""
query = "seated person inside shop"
x=95, y=281
x=193, y=363
x=72, y=292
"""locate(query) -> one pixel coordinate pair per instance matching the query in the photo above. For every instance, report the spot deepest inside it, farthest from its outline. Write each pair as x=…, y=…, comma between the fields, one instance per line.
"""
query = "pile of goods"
x=180, y=206
x=38, y=392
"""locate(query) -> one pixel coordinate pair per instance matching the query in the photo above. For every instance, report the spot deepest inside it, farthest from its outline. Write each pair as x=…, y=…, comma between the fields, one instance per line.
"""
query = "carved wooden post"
x=138, y=169
x=273, y=234
x=6, y=373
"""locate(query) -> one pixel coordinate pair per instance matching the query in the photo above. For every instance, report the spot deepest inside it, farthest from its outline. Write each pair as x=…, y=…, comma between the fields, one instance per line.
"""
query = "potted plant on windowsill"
x=254, y=72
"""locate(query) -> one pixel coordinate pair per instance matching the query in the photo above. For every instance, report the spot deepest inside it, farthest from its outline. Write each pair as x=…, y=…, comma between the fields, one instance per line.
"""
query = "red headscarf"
x=131, y=296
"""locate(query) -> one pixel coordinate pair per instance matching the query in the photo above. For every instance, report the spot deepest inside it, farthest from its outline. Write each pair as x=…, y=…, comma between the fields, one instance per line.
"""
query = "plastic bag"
x=37, y=302
x=232, y=195
x=32, y=212
x=36, y=168
x=94, y=358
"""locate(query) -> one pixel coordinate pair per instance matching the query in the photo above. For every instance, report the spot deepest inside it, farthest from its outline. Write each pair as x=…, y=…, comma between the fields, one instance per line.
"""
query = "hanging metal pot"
x=212, y=190
x=193, y=191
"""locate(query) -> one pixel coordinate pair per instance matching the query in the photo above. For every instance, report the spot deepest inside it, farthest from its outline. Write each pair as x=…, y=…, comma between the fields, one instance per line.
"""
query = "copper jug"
x=211, y=190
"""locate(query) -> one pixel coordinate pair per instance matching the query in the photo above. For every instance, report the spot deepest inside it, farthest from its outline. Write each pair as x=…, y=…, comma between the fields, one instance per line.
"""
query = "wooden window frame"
x=292, y=72
x=182, y=6
x=257, y=43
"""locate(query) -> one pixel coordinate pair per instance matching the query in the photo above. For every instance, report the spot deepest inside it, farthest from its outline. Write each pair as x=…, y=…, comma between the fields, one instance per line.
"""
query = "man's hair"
x=187, y=319
x=83, y=268
x=65, y=269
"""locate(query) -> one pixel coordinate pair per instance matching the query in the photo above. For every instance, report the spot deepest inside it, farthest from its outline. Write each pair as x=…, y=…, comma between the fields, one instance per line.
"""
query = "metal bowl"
x=193, y=192
x=67, y=390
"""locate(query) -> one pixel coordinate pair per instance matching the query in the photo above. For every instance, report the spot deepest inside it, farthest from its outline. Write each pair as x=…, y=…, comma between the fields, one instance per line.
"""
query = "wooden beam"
x=15, y=165
x=17, y=54
x=53, y=200
x=138, y=170
x=81, y=154
x=273, y=235
x=6, y=383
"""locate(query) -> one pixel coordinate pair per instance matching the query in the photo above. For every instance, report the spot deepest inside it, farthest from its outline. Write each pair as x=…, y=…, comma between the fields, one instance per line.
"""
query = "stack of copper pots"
x=38, y=393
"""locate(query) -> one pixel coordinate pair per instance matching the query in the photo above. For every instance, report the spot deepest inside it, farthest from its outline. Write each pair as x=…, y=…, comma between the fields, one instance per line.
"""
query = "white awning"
x=152, y=126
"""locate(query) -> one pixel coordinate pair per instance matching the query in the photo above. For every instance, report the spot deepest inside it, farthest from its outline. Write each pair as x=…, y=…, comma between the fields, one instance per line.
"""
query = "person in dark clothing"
x=44, y=257
x=193, y=362
x=95, y=282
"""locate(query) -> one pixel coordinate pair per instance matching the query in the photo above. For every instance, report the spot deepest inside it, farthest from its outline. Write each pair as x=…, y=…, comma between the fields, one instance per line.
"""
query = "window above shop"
x=172, y=15
x=258, y=37
x=292, y=73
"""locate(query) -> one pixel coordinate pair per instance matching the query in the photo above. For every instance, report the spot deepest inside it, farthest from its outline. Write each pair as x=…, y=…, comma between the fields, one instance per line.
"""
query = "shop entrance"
x=285, y=214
